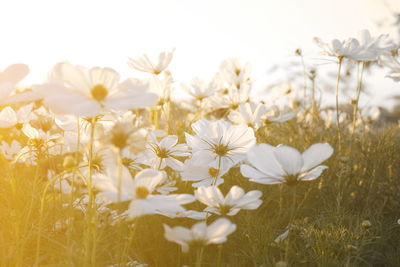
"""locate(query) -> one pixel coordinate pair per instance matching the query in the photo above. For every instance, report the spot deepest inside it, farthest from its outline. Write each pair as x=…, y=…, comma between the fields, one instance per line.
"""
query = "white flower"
x=139, y=192
x=9, y=78
x=144, y=64
x=203, y=173
x=91, y=92
x=9, y=118
x=348, y=48
x=221, y=141
x=248, y=113
x=159, y=154
x=372, y=48
x=10, y=151
x=284, y=164
x=200, y=90
x=235, y=73
x=200, y=234
x=393, y=63
x=232, y=203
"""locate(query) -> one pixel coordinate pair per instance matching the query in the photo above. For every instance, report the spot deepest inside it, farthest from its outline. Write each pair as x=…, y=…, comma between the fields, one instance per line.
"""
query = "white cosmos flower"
x=203, y=173
x=10, y=151
x=139, y=191
x=9, y=78
x=236, y=73
x=372, y=48
x=231, y=97
x=220, y=141
x=200, y=90
x=200, y=234
x=349, y=48
x=248, y=113
x=393, y=63
x=10, y=118
x=232, y=203
x=91, y=92
x=160, y=154
x=144, y=64
x=285, y=164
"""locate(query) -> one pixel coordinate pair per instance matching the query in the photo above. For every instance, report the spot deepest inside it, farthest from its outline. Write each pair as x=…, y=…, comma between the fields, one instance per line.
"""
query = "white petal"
x=315, y=155
x=289, y=158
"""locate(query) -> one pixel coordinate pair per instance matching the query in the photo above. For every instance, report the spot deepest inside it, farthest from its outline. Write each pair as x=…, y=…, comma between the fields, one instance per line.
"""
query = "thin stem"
x=292, y=215
x=337, y=103
x=359, y=88
x=219, y=257
x=199, y=256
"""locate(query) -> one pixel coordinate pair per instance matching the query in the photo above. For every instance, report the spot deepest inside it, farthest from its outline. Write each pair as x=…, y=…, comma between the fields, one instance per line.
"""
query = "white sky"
x=41, y=33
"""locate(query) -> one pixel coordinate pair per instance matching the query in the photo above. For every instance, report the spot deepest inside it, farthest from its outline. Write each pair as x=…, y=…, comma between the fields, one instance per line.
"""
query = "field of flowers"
x=102, y=172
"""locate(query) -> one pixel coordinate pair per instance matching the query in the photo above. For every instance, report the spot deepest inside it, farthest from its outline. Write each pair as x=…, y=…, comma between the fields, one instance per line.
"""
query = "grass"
x=347, y=217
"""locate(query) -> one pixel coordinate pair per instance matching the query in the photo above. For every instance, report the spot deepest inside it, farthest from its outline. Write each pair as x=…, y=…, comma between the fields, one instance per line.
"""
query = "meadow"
x=102, y=172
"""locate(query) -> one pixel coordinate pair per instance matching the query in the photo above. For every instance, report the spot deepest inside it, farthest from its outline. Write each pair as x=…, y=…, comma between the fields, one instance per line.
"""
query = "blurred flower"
x=248, y=113
x=335, y=48
x=10, y=118
x=232, y=203
x=9, y=78
x=284, y=164
x=200, y=234
x=144, y=64
x=10, y=151
x=372, y=48
x=91, y=92
x=393, y=63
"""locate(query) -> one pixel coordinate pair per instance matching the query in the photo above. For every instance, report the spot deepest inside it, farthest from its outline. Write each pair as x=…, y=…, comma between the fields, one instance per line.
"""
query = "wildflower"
x=204, y=173
x=139, y=191
x=366, y=224
x=349, y=48
x=91, y=92
x=10, y=151
x=248, y=113
x=159, y=154
x=284, y=164
x=232, y=203
x=144, y=64
x=12, y=75
x=200, y=234
x=220, y=141
x=393, y=63
x=373, y=48
x=10, y=118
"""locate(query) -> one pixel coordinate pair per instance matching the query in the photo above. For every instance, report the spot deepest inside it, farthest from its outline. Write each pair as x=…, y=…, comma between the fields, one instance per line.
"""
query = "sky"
x=41, y=33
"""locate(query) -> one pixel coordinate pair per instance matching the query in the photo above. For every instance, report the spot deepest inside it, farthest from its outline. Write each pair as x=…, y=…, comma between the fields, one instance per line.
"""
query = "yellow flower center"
x=213, y=172
x=221, y=150
x=99, y=92
x=291, y=179
x=141, y=192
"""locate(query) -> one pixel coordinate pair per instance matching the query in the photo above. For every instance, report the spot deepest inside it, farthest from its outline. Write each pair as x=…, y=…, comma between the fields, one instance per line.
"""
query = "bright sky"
x=41, y=33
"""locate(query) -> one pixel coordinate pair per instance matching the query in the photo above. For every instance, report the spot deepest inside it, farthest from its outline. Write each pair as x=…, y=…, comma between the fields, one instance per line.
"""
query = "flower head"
x=200, y=234
x=285, y=164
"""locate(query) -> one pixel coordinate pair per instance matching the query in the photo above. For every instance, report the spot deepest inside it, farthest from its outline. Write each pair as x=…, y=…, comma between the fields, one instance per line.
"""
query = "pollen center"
x=213, y=172
x=141, y=192
x=162, y=153
x=99, y=92
x=221, y=150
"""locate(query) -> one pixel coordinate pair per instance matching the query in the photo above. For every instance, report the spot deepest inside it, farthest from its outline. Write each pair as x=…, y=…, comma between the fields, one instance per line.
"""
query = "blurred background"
x=263, y=32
